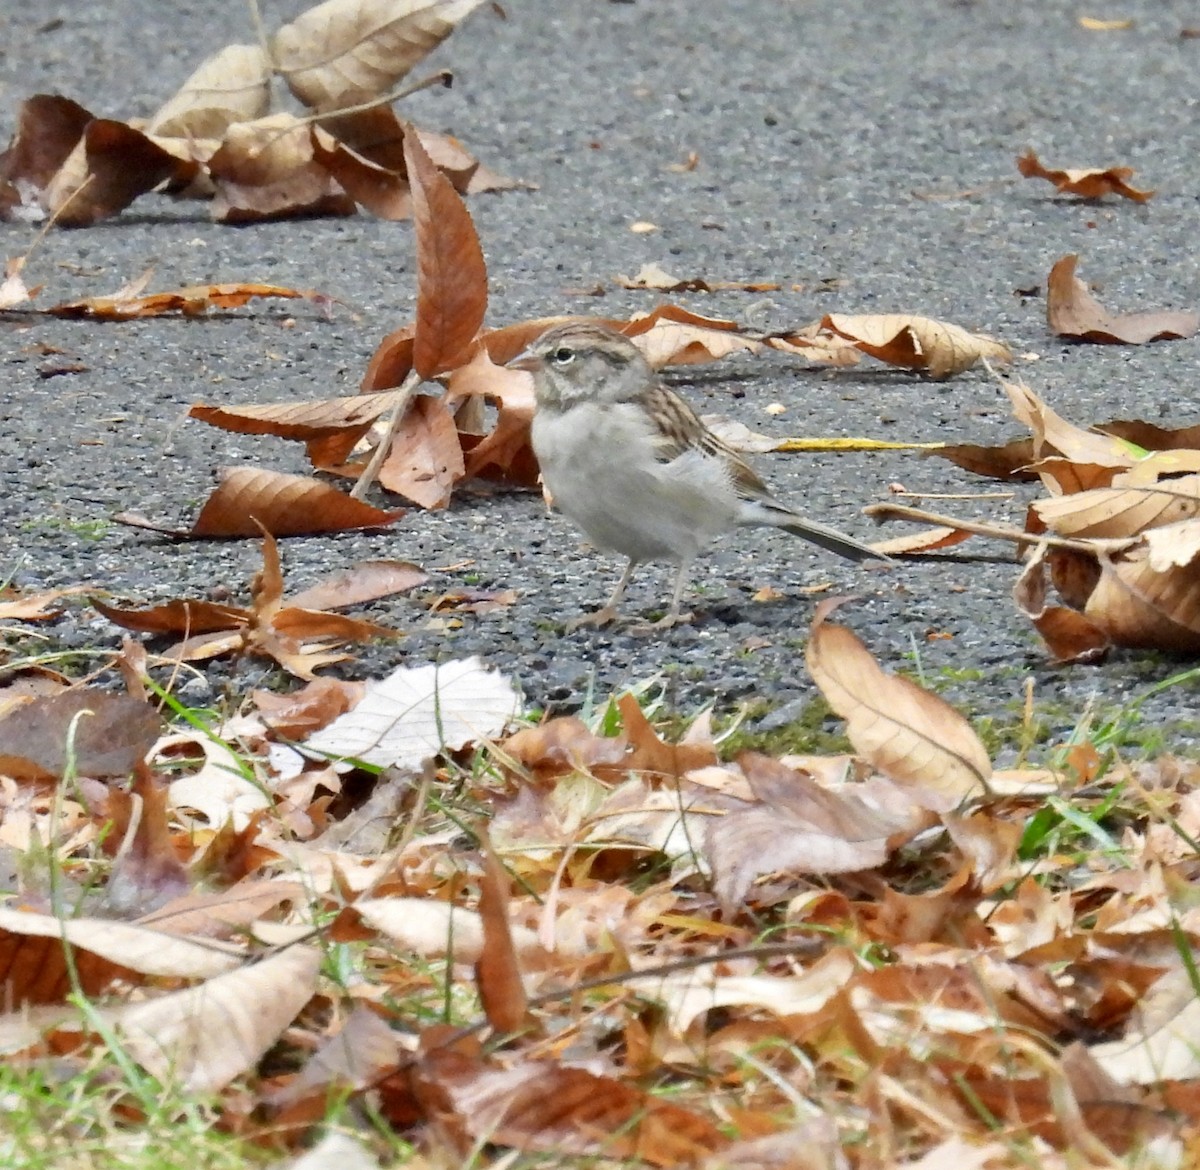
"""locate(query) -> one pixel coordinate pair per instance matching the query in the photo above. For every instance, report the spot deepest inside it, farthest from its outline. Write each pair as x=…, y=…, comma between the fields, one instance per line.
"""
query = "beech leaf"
x=451, y=274
x=913, y=737
x=1072, y=311
x=347, y=52
x=1087, y=184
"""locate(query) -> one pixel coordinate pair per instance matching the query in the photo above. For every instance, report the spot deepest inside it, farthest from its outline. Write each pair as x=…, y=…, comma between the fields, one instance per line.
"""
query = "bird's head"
x=581, y=362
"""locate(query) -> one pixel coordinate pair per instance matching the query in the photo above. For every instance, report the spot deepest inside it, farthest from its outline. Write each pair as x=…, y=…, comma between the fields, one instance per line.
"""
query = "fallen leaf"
x=653, y=276
x=505, y=452
x=202, y=1038
x=285, y=505
x=36, y=971
x=1087, y=184
x=316, y=419
x=48, y=127
x=194, y=301
x=918, y=343
x=498, y=970
x=1093, y=24
x=913, y=737
x=532, y=1105
x=99, y=733
x=1118, y=511
x=233, y=85
x=451, y=274
x=266, y=169
x=363, y=582
x=796, y=827
x=1072, y=312
x=425, y=461
x=349, y=52
x=33, y=607
x=300, y=639
x=418, y=712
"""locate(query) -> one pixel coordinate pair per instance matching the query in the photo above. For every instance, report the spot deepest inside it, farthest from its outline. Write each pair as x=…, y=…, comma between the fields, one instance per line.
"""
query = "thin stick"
x=371, y=471
x=1095, y=547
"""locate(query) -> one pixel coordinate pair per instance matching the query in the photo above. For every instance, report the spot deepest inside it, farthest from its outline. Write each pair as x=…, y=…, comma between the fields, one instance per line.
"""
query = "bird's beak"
x=526, y=360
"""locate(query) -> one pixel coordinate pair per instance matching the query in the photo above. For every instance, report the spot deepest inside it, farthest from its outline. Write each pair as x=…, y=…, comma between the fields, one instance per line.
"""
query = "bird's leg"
x=672, y=617
x=608, y=612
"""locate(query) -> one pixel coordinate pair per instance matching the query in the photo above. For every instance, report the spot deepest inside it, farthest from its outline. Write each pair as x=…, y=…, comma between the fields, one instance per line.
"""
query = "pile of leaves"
x=221, y=137
x=1117, y=534
x=588, y=939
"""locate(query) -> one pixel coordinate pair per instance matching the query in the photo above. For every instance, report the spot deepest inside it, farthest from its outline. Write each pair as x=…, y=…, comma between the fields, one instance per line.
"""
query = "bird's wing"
x=680, y=433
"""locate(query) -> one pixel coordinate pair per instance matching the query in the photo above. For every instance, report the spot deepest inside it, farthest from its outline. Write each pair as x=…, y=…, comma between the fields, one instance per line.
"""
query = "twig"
x=1095, y=547
x=371, y=471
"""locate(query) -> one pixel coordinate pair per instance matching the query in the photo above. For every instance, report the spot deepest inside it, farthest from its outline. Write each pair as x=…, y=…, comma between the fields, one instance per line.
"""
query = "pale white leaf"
x=204, y=1037
x=418, y=712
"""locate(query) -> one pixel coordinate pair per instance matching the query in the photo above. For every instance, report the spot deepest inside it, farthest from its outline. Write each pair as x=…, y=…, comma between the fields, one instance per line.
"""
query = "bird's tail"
x=831, y=539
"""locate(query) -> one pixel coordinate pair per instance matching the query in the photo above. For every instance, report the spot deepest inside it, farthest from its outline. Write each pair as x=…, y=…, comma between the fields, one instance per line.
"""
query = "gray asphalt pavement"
x=861, y=150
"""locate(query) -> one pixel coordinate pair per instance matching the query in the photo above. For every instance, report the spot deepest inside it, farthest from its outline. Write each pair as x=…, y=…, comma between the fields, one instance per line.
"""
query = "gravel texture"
x=861, y=151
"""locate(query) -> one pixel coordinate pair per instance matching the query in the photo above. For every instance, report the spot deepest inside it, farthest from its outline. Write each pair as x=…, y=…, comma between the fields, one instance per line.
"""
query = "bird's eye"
x=563, y=356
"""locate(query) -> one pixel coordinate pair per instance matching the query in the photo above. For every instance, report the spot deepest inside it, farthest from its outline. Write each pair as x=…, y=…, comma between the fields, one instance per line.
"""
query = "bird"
x=626, y=459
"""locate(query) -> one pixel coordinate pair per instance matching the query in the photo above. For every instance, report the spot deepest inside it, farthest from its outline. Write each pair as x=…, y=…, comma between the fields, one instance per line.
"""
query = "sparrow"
x=631, y=464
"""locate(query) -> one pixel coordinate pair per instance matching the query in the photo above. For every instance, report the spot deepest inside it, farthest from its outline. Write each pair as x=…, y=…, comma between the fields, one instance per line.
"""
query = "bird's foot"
x=601, y=617
x=663, y=623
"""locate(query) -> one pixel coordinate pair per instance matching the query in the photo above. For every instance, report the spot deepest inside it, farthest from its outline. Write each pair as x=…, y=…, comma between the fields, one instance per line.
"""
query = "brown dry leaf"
x=653, y=757
x=226, y=912
x=425, y=460
x=109, y=740
x=194, y=301
x=1087, y=184
x=363, y=582
x=913, y=737
x=817, y=346
x=320, y=418
x=451, y=274
x=797, y=827
x=391, y=362
x=928, y=540
x=1068, y=634
x=917, y=343
x=33, y=607
x=1009, y=461
x=147, y=872
x=285, y=505
x=303, y=712
x=202, y=1038
x=497, y=970
x=299, y=639
x=176, y=617
x=111, y=165
x=1121, y=511
x=1143, y=608
x=1072, y=312
x=671, y=335
x=35, y=971
x=382, y=191
x=265, y=169
x=437, y=929
x=233, y=85
x=566, y=1111
x=1053, y=435
x=1161, y=1044
x=48, y=128
x=653, y=276
x=349, y=52
x=1152, y=437
x=13, y=290
x=505, y=452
